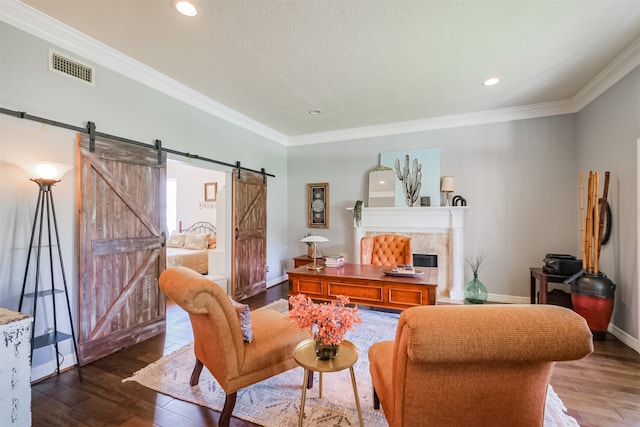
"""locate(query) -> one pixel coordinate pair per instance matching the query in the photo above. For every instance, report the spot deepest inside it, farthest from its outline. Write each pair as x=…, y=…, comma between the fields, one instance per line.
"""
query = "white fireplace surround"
x=400, y=220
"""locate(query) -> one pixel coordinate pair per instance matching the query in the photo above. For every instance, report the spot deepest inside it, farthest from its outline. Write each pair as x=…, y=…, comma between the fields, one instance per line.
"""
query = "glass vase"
x=325, y=351
x=475, y=292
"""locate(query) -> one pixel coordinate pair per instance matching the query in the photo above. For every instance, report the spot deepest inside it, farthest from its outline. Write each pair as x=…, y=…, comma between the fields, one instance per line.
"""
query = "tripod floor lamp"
x=46, y=175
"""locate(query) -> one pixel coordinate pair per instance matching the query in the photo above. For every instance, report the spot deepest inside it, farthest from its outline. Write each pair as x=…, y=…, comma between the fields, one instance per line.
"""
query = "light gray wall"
x=607, y=131
x=517, y=177
x=118, y=106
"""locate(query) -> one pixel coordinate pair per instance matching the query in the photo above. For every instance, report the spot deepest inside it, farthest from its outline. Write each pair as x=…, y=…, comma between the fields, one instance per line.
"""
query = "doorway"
x=190, y=201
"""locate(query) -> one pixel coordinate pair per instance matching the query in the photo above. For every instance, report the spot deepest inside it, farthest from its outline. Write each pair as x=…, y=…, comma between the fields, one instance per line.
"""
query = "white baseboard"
x=47, y=369
x=277, y=281
x=624, y=337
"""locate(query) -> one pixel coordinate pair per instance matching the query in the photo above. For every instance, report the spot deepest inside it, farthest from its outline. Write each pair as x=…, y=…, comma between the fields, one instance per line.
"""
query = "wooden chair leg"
x=229, y=404
x=310, y=379
x=376, y=400
x=195, y=375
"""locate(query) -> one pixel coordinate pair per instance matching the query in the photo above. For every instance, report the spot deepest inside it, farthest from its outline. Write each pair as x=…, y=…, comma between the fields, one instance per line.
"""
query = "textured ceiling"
x=364, y=63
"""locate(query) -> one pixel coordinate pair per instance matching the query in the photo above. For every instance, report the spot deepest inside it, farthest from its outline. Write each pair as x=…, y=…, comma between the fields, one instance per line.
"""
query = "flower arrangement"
x=329, y=322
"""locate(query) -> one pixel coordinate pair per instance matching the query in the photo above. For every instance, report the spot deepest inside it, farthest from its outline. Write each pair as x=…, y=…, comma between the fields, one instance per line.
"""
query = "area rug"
x=276, y=401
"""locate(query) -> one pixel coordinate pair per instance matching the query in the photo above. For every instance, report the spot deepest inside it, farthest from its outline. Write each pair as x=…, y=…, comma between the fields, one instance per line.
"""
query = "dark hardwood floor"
x=600, y=390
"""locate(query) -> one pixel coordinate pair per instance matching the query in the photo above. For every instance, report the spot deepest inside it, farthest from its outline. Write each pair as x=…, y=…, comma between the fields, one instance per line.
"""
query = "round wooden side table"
x=305, y=355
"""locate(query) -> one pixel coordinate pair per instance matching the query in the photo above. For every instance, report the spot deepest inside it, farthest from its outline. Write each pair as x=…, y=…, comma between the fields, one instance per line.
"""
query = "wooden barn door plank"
x=249, y=249
x=121, y=253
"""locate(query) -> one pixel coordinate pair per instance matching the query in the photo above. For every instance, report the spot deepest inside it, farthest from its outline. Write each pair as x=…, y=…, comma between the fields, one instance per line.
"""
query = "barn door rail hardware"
x=91, y=131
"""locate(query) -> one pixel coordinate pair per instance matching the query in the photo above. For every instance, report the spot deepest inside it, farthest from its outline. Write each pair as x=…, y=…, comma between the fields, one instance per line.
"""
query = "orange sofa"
x=485, y=365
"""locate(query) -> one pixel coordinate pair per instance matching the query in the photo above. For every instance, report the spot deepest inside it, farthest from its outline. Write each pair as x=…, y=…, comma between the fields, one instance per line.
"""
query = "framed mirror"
x=382, y=188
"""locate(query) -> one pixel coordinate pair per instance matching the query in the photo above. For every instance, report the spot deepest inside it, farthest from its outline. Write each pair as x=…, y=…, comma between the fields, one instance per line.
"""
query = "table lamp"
x=314, y=239
x=447, y=187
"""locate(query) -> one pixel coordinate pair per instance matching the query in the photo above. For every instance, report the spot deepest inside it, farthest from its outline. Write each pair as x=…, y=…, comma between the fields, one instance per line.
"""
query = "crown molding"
x=442, y=122
x=43, y=26
x=622, y=65
x=40, y=25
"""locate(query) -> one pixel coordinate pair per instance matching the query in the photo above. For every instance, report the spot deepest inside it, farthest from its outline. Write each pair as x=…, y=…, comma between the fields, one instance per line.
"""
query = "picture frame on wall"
x=210, y=191
x=318, y=205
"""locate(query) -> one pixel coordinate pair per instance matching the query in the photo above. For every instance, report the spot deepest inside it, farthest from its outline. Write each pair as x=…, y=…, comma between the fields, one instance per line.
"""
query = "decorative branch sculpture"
x=411, y=180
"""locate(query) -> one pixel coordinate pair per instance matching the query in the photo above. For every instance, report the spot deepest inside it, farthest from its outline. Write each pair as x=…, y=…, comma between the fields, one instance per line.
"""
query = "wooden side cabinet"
x=301, y=260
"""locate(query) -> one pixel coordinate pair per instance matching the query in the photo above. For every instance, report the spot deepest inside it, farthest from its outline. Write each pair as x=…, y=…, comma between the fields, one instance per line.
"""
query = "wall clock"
x=318, y=205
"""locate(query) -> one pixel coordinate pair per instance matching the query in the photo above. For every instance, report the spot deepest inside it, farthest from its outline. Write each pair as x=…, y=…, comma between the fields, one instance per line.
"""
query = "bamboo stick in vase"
x=589, y=231
x=596, y=224
x=582, y=224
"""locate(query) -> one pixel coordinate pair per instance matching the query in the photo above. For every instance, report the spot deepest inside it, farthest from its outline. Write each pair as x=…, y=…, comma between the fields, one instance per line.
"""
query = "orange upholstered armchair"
x=386, y=249
x=483, y=365
x=218, y=336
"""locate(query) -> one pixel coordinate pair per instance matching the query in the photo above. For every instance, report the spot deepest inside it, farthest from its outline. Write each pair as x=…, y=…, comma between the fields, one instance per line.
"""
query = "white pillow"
x=176, y=240
x=198, y=241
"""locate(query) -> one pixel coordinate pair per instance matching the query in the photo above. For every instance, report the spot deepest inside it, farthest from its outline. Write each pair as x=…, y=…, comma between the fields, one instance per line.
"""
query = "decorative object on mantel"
x=446, y=187
x=329, y=322
x=357, y=213
x=313, y=239
x=425, y=201
x=429, y=159
x=592, y=292
x=382, y=187
x=475, y=292
x=411, y=180
x=459, y=201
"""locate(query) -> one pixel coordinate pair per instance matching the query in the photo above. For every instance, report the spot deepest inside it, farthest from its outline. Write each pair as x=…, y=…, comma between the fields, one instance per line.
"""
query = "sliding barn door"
x=249, y=252
x=121, y=250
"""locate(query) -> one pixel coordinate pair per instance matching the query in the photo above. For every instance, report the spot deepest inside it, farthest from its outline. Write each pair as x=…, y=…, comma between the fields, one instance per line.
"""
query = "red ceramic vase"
x=592, y=296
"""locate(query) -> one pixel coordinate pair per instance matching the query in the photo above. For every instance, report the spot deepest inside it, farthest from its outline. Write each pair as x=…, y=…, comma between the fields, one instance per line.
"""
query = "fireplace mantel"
x=444, y=219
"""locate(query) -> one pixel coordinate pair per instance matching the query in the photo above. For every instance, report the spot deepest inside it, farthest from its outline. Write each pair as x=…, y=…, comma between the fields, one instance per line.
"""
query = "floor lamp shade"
x=45, y=170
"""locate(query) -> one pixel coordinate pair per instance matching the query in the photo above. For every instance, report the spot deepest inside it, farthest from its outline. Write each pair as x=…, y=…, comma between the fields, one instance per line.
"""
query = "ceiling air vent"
x=70, y=67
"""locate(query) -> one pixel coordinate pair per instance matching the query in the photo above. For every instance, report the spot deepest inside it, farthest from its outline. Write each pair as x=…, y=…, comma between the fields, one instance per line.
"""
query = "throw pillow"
x=244, y=317
x=198, y=241
x=176, y=240
x=212, y=241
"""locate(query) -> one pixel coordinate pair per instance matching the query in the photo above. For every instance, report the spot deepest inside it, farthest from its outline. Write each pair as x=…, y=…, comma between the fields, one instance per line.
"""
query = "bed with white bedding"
x=190, y=247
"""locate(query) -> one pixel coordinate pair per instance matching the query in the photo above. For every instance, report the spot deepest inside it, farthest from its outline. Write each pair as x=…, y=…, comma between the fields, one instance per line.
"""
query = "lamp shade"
x=45, y=170
x=447, y=184
x=314, y=239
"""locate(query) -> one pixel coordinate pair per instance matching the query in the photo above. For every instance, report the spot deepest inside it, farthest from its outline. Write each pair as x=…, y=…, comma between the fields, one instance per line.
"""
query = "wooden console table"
x=544, y=278
x=301, y=260
x=367, y=285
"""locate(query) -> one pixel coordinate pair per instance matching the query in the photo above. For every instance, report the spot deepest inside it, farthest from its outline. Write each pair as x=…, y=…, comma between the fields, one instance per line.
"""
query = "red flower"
x=328, y=321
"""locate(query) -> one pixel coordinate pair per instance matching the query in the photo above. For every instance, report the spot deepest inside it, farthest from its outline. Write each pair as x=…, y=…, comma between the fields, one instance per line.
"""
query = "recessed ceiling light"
x=490, y=82
x=186, y=8
x=315, y=112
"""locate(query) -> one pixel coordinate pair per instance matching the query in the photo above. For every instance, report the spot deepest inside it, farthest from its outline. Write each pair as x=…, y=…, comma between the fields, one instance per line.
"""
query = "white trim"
x=624, y=337
x=277, y=281
x=612, y=73
x=35, y=22
x=43, y=26
x=442, y=122
x=47, y=369
x=637, y=346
